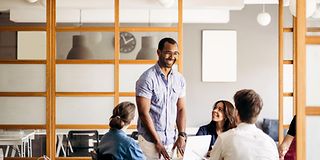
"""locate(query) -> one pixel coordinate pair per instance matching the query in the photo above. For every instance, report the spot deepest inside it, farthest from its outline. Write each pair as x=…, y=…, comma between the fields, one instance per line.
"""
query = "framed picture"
x=219, y=56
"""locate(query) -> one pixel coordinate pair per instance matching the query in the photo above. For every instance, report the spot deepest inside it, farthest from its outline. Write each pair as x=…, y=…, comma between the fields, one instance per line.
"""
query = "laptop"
x=196, y=148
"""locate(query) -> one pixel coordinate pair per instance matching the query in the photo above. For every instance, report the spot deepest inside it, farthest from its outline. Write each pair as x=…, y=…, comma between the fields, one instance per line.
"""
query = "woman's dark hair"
x=164, y=40
x=123, y=114
x=229, y=113
x=248, y=104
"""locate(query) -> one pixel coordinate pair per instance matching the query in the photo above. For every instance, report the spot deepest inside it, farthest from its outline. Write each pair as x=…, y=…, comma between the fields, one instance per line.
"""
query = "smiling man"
x=160, y=93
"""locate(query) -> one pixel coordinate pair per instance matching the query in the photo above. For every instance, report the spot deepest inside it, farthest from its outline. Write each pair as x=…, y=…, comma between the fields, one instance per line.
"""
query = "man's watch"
x=183, y=134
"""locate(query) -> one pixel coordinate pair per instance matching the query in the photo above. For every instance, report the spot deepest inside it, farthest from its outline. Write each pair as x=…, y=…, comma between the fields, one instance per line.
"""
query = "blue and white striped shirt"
x=164, y=94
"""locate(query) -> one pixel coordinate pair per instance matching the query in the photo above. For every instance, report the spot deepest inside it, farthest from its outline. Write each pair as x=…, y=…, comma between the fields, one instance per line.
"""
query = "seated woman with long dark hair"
x=223, y=118
x=115, y=144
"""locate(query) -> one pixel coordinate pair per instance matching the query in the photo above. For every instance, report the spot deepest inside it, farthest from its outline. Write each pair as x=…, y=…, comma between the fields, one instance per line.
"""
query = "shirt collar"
x=246, y=126
x=158, y=69
x=118, y=131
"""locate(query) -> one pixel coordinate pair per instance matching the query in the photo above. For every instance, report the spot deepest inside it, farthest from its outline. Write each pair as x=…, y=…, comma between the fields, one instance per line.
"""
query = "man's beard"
x=165, y=64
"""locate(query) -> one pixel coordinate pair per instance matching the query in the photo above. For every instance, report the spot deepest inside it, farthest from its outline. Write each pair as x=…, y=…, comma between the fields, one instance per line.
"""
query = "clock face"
x=127, y=42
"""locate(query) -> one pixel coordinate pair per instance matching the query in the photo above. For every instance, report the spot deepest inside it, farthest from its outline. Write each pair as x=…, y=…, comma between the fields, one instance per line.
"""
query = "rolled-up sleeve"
x=144, y=88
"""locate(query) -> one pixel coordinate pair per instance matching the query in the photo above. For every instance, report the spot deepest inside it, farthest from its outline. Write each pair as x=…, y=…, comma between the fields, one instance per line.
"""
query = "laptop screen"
x=197, y=147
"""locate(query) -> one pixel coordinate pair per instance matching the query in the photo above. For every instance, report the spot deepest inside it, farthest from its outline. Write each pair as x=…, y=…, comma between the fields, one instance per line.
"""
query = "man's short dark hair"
x=164, y=40
x=248, y=104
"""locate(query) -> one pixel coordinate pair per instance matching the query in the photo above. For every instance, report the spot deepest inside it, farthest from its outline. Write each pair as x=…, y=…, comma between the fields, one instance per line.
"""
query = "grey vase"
x=79, y=50
x=148, y=50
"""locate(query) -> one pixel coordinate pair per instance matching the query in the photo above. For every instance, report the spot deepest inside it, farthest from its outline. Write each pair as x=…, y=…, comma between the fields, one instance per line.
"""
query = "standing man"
x=160, y=93
x=245, y=141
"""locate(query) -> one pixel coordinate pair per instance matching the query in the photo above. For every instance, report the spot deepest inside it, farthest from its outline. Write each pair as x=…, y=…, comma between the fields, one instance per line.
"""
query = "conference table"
x=17, y=139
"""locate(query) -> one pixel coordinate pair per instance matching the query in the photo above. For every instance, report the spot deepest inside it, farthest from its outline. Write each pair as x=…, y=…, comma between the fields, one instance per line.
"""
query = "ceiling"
x=131, y=11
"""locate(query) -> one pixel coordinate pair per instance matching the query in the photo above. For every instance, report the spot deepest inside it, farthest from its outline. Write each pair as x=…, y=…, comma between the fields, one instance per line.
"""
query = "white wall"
x=257, y=64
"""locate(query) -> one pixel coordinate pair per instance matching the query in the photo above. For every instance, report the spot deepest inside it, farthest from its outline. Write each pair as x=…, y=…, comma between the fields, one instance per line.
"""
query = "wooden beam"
x=148, y=29
x=280, y=70
x=285, y=29
x=138, y=61
x=88, y=126
x=288, y=94
x=313, y=40
x=313, y=110
x=22, y=61
x=22, y=126
x=50, y=79
x=84, y=29
x=23, y=94
x=127, y=94
x=180, y=35
x=84, y=94
x=22, y=28
x=83, y=61
x=116, y=51
x=300, y=77
x=287, y=61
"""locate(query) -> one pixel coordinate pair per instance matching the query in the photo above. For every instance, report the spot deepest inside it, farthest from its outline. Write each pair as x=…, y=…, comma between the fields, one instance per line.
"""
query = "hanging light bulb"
x=79, y=49
x=167, y=3
x=263, y=18
x=311, y=6
x=32, y=1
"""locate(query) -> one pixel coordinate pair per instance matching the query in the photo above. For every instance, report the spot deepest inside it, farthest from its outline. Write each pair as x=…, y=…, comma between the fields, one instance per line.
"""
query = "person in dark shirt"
x=287, y=149
x=223, y=118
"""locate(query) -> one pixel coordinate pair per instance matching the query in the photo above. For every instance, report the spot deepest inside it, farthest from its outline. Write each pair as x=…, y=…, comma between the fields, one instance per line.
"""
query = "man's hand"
x=180, y=144
x=162, y=151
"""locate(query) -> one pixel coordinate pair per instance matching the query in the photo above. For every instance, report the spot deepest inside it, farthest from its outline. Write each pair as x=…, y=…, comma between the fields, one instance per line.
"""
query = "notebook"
x=196, y=148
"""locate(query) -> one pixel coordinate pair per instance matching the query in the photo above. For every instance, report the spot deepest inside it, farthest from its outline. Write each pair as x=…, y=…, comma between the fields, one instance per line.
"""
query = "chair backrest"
x=82, y=142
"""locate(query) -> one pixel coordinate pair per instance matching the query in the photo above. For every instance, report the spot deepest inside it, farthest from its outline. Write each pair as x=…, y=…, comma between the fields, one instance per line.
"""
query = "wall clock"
x=127, y=42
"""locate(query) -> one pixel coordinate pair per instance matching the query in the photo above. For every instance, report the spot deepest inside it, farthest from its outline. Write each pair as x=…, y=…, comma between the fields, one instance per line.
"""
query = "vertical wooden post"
x=280, y=69
x=50, y=77
x=180, y=34
x=300, y=77
x=116, y=51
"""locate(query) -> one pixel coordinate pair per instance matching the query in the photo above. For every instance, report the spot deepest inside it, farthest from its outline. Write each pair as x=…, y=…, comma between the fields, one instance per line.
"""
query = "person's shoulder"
x=228, y=133
x=148, y=74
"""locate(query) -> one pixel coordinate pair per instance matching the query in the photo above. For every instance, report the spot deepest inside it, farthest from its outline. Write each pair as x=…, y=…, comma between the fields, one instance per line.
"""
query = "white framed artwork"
x=219, y=56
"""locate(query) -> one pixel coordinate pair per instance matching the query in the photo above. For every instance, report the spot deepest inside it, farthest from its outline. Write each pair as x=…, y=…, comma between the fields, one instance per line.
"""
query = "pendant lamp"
x=79, y=50
x=148, y=48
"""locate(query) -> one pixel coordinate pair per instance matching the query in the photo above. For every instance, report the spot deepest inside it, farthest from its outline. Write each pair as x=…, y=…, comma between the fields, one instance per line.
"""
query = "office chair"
x=82, y=142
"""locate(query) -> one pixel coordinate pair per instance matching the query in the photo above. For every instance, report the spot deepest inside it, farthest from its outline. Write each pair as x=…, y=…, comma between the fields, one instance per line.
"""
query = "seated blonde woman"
x=115, y=144
x=223, y=118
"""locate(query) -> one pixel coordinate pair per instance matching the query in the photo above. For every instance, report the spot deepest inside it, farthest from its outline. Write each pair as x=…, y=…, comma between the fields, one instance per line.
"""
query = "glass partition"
x=23, y=143
x=27, y=13
x=85, y=45
x=313, y=75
